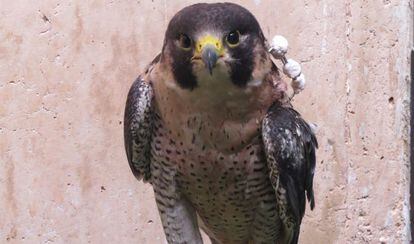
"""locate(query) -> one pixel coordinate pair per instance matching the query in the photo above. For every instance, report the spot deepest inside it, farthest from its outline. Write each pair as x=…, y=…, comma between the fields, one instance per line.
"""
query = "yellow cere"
x=209, y=40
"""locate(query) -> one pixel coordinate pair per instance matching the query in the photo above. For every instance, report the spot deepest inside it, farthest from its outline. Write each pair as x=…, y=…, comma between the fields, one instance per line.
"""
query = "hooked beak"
x=209, y=56
x=209, y=48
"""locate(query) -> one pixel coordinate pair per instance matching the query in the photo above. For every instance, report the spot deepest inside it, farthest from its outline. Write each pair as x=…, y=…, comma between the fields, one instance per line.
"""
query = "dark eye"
x=185, y=42
x=233, y=38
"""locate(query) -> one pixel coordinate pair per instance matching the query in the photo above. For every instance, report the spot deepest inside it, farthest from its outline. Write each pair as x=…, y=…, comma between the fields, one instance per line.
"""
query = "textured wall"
x=65, y=69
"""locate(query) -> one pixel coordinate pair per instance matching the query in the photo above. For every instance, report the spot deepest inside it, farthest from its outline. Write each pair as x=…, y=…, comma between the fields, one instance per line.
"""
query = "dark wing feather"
x=138, y=128
x=290, y=150
x=138, y=124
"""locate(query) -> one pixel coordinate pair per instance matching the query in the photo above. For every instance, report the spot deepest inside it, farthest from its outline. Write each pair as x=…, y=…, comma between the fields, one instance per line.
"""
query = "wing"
x=290, y=151
x=138, y=125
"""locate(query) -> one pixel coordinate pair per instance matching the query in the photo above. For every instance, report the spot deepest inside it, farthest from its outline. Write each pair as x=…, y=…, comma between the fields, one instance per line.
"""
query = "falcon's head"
x=221, y=41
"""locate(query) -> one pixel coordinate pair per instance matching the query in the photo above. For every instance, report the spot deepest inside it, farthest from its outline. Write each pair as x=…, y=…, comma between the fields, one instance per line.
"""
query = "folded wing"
x=138, y=128
x=290, y=150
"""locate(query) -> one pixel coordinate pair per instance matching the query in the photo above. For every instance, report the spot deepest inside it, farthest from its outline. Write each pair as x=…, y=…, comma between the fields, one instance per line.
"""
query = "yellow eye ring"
x=185, y=42
x=233, y=39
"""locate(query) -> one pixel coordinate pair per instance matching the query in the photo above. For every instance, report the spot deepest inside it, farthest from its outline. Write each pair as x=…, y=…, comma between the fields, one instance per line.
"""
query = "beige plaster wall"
x=65, y=69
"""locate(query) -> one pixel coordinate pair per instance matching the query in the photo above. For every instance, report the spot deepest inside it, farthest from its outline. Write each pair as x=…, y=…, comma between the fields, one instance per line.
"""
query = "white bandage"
x=298, y=84
x=292, y=69
x=279, y=47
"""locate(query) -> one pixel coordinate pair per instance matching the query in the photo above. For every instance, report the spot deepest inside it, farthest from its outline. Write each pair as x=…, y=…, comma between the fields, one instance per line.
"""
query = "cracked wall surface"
x=66, y=67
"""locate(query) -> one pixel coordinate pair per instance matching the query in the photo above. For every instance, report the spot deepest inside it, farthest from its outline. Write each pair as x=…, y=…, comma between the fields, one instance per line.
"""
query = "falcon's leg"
x=178, y=216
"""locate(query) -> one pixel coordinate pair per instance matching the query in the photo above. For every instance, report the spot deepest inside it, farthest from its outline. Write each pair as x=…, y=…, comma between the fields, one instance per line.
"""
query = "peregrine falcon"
x=210, y=127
